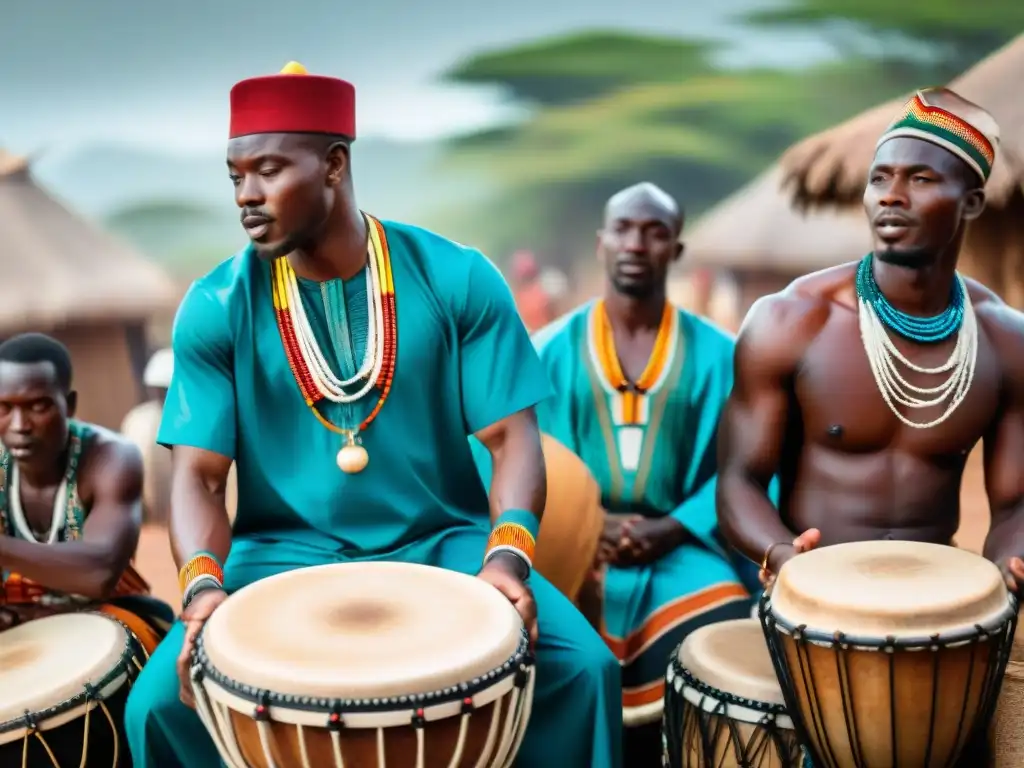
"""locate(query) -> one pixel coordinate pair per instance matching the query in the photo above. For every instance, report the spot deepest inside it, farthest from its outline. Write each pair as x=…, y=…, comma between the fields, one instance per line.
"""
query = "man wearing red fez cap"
x=342, y=362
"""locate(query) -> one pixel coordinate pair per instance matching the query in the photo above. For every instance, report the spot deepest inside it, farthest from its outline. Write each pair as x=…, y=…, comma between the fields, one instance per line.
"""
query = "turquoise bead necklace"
x=923, y=330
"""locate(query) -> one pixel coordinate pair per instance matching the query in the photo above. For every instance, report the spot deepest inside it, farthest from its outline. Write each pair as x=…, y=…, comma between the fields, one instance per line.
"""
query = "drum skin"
x=866, y=701
x=573, y=520
x=369, y=662
x=63, y=732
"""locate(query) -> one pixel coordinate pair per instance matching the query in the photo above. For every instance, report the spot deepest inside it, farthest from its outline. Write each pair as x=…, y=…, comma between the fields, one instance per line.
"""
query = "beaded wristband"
x=201, y=564
x=198, y=585
x=514, y=531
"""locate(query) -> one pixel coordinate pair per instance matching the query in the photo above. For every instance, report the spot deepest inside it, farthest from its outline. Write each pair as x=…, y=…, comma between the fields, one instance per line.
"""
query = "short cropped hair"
x=29, y=348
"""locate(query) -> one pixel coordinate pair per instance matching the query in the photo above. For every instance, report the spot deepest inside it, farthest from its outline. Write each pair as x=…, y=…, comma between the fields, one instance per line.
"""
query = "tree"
x=921, y=43
x=613, y=109
x=573, y=68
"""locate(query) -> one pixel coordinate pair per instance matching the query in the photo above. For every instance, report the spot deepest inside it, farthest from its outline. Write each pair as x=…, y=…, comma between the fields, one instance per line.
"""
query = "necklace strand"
x=312, y=374
x=883, y=357
x=923, y=330
x=20, y=521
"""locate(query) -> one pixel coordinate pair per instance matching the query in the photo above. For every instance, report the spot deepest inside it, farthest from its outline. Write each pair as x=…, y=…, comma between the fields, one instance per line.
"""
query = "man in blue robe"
x=325, y=295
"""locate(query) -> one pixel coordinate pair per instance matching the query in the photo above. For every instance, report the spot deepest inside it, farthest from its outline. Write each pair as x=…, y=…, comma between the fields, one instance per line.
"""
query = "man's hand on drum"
x=643, y=540
x=194, y=617
x=503, y=576
x=805, y=542
x=1013, y=572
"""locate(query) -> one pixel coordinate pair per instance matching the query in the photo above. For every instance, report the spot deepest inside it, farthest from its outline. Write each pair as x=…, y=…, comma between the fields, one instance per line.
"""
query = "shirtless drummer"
x=864, y=450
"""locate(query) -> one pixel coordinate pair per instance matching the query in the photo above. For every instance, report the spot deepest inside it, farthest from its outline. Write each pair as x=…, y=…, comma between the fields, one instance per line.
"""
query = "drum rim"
x=32, y=720
x=991, y=627
x=517, y=664
x=676, y=668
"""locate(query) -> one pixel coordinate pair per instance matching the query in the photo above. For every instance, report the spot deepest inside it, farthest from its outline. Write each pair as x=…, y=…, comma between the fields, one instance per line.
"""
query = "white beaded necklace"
x=329, y=385
x=883, y=356
x=20, y=521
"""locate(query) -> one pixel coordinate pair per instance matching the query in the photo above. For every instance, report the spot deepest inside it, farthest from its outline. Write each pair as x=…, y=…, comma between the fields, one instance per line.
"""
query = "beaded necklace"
x=883, y=354
x=923, y=330
x=66, y=522
x=611, y=368
x=313, y=375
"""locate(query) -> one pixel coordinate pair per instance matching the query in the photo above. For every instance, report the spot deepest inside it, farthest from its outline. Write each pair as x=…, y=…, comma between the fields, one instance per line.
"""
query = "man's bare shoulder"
x=801, y=309
x=1001, y=325
x=111, y=458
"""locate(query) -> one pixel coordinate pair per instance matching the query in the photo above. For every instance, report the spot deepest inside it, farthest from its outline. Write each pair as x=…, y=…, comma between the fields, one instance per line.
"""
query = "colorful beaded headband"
x=934, y=124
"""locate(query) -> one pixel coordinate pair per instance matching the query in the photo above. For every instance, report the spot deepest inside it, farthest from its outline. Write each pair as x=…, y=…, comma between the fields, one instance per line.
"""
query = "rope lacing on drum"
x=32, y=729
x=682, y=723
x=261, y=714
x=793, y=669
x=519, y=667
x=92, y=694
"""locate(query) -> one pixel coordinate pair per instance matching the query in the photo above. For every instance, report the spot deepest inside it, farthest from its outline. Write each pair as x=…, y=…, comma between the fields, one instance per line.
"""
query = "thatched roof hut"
x=830, y=168
x=762, y=241
x=63, y=275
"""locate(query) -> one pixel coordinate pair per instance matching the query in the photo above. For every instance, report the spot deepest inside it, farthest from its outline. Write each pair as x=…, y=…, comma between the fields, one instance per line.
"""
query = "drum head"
x=362, y=631
x=732, y=657
x=878, y=588
x=48, y=661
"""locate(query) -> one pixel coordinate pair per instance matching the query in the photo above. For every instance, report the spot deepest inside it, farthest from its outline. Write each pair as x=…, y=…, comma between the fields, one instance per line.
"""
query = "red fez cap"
x=293, y=102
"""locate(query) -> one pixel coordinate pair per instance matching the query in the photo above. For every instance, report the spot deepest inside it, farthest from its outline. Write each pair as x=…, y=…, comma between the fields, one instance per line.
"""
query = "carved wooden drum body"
x=570, y=529
x=64, y=681
x=723, y=704
x=889, y=653
x=365, y=664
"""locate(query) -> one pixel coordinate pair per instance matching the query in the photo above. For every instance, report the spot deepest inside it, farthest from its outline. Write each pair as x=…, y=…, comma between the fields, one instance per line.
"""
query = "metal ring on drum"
x=723, y=704
x=374, y=677
x=890, y=654
x=64, y=681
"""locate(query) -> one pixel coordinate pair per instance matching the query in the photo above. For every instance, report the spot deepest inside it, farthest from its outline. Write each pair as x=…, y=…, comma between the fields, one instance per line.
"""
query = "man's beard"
x=915, y=258
x=286, y=246
x=642, y=290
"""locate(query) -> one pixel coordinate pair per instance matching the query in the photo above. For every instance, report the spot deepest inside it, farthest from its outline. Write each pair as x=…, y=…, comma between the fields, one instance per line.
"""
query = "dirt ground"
x=153, y=558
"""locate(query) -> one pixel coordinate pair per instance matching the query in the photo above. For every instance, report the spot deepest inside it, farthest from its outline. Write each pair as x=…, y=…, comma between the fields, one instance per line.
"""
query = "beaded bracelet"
x=199, y=584
x=203, y=566
x=514, y=531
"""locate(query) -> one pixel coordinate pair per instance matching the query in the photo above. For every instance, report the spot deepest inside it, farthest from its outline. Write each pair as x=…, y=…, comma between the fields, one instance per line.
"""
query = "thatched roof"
x=758, y=228
x=59, y=268
x=831, y=167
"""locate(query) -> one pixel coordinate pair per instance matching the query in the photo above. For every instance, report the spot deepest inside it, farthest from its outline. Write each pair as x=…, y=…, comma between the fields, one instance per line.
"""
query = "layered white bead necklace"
x=883, y=356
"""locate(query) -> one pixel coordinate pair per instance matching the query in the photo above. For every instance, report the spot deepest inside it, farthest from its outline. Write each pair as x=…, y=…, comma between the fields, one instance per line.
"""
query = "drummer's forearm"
x=199, y=519
x=1006, y=534
x=519, y=479
x=76, y=567
x=746, y=516
x=199, y=523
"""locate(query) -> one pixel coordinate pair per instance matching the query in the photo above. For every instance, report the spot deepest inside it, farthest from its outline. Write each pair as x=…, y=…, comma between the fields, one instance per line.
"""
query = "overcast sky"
x=158, y=73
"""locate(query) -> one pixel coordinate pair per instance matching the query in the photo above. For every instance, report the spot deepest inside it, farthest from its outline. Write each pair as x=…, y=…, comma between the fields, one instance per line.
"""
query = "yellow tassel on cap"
x=294, y=68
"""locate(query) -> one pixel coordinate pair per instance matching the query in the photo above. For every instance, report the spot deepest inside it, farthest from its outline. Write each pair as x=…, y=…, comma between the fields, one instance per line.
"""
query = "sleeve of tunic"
x=499, y=370
x=199, y=410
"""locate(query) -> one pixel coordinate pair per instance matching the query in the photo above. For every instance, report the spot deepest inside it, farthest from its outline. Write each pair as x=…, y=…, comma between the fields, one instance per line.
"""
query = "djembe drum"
x=890, y=653
x=365, y=664
x=723, y=704
x=64, y=681
x=570, y=529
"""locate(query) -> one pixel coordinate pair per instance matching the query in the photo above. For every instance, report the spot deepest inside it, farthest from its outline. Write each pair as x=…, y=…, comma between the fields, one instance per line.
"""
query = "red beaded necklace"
x=353, y=456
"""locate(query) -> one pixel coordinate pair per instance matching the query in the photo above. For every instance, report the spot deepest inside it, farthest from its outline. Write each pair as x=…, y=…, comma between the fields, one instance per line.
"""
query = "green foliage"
x=612, y=109
x=941, y=38
x=695, y=130
x=185, y=237
x=572, y=68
